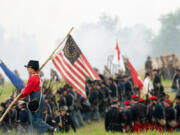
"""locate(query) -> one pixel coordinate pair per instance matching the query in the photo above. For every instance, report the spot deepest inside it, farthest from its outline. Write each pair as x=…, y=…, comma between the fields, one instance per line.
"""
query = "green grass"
x=167, y=84
x=6, y=91
x=96, y=128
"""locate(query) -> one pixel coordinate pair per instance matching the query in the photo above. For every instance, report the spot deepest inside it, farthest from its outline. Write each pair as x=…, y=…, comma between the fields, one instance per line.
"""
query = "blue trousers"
x=79, y=117
x=36, y=118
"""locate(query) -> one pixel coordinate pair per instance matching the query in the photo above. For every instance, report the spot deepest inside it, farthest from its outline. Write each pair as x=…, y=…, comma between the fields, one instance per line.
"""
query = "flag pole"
x=1, y=61
x=49, y=58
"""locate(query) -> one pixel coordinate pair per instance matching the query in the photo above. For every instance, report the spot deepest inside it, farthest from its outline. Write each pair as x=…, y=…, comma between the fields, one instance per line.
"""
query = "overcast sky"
x=32, y=28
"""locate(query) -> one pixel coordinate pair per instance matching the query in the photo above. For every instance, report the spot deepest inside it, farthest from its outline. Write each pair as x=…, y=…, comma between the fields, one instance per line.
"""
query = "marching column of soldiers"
x=116, y=100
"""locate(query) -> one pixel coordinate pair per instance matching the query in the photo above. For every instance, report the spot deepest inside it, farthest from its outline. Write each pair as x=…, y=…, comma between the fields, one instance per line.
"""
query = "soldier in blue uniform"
x=64, y=121
x=114, y=119
x=36, y=103
x=23, y=117
x=170, y=115
x=158, y=114
x=177, y=107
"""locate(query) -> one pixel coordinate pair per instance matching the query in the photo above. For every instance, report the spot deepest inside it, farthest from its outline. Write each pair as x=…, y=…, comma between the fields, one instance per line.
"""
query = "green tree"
x=168, y=39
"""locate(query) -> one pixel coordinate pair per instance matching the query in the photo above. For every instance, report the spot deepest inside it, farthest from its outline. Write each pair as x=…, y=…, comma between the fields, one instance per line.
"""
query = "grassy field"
x=6, y=91
x=96, y=128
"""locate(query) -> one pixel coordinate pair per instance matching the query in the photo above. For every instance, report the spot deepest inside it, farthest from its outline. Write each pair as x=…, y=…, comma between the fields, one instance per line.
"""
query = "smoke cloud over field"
x=16, y=52
x=98, y=40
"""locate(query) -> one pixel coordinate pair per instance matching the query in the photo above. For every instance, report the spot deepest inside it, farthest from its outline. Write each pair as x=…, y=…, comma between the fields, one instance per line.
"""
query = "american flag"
x=74, y=67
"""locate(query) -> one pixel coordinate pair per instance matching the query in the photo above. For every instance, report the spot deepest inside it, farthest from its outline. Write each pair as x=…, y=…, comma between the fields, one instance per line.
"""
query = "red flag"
x=118, y=51
x=74, y=67
x=136, y=79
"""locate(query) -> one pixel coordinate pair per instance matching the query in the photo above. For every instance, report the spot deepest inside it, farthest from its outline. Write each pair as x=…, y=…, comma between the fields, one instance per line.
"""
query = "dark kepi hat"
x=178, y=97
x=125, y=76
x=119, y=77
x=178, y=69
x=63, y=108
x=155, y=70
x=33, y=64
x=110, y=78
x=115, y=102
x=60, y=91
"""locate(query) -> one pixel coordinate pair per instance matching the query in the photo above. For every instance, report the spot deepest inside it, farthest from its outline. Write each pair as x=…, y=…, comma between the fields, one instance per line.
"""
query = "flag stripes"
x=69, y=73
x=91, y=70
x=73, y=66
x=68, y=78
x=75, y=74
x=78, y=73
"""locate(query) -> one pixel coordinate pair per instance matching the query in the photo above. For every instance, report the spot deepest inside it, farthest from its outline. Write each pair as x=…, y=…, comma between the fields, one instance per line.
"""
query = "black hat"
x=63, y=108
x=178, y=97
x=115, y=102
x=33, y=64
x=60, y=91
x=3, y=105
x=125, y=76
x=104, y=83
x=67, y=86
x=147, y=74
x=101, y=76
x=99, y=84
x=155, y=70
x=119, y=77
x=110, y=78
x=89, y=81
x=178, y=69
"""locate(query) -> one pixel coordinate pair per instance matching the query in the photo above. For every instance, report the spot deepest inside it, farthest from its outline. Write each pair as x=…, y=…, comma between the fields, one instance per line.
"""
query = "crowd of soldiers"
x=117, y=100
x=166, y=65
x=153, y=112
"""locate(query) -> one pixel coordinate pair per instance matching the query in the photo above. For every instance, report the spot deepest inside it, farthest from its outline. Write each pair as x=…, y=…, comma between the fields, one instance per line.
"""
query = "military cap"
x=127, y=102
x=141, y=100
x=60, y=91
x=63, y=108
x=101, y=76
x=178, y=97
x=168, y=101
x=3, y=105
x=33, y=64
x=110, y=78
x=155, y=70
x=115, y=102
x=125, y=76
x=153, y=98
x=178, y=69
x=134, y=96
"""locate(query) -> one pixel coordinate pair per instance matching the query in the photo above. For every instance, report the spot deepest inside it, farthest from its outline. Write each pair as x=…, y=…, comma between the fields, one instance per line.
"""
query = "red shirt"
x=32, y=85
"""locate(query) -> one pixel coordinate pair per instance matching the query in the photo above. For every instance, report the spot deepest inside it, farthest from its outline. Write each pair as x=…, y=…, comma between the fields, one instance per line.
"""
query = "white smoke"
x=98, y=40
x=16, y=52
